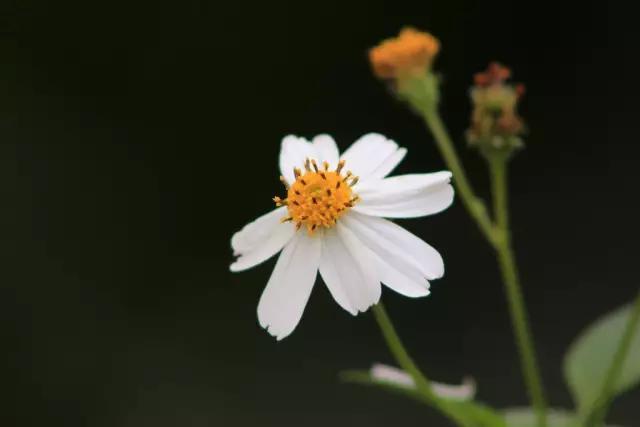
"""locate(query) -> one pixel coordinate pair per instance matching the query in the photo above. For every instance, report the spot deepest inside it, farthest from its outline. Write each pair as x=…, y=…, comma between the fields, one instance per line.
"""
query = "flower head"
x=331, y=221
x=411, y=53
x=495, y=123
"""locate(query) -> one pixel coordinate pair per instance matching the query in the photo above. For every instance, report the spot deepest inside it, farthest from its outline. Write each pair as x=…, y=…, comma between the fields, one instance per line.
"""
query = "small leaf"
x=590, y=356
x=526, y=417
x=468, y=413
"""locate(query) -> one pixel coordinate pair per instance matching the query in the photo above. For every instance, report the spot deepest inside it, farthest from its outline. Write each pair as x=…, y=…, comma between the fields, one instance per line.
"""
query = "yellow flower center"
x=318, y=197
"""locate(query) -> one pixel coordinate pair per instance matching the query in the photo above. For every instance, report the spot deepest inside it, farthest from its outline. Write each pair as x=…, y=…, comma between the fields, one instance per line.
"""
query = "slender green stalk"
x=405, y=361
x=613, y=373
x=521, y=329
x=472, y=203
x=399, y=352
x=499, y=237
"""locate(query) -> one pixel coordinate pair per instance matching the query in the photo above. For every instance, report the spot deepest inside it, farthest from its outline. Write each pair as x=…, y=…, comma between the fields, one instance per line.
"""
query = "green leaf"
x=474, y=414
x=525, y=417
x=590, y=356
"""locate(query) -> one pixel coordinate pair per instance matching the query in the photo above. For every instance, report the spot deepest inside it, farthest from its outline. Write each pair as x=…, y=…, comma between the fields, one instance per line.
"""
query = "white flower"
x=331, y=221
x=399, y=378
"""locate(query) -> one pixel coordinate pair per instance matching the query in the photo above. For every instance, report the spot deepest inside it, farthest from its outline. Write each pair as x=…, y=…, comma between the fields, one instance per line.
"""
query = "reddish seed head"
x=495, y=73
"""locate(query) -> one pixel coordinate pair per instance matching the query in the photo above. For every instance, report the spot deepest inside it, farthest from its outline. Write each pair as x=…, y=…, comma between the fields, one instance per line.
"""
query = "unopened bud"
x=495, y=123
x=405, y=63
x=409, y=54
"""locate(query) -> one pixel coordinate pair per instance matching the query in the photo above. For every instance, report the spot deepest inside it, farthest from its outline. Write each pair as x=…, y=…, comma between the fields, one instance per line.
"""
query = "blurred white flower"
x=392, y=375
x=332, y=221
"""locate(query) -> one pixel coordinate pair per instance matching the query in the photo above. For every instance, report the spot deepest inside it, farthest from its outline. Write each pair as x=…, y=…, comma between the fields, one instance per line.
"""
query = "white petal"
x=398, y=377
x=261, y=239
x=399, y=248
x=389, y=164
x=409, y=283
x=372, y=156
x=346, y=270
x=287, y=292
x=326, y=150
x=406, y=196
x=400, y=276
x=256, y=231
x=392, y=375
x=293, y=152
x=464, y=391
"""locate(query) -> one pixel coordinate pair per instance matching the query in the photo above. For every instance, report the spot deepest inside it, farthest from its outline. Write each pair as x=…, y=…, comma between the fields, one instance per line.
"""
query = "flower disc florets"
x=318, y=197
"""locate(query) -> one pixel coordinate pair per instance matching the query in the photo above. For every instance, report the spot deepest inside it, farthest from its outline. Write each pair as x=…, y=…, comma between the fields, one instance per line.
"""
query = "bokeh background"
x=136, y=137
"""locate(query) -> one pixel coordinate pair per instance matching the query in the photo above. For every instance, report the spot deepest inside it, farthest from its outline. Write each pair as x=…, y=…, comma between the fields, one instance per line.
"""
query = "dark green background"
x=136, y=137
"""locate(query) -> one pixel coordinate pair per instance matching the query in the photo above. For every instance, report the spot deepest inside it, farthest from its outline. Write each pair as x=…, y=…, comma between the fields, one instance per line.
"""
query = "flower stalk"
x=499, y=236
x=517, y=311
x=399, y=352
x=495, y=131
x=497, y=149
x=474, y=205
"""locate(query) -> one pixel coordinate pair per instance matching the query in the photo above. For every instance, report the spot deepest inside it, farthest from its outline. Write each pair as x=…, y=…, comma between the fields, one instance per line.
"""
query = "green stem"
x=399, y=352
x=613, y=373
x=522, y=331
x=405, y=361
x=499, y=237
x=472, y=203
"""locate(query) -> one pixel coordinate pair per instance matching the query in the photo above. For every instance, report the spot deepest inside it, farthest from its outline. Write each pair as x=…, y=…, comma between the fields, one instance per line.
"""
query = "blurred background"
x=136, y=137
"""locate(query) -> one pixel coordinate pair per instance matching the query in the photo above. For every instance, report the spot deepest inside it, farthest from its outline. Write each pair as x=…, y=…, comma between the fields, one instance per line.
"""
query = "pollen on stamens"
x=317, y=198
x=279, y=202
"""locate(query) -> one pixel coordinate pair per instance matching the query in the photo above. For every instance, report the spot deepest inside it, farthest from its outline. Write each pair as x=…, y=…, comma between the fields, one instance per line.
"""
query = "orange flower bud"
x=409, y=54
